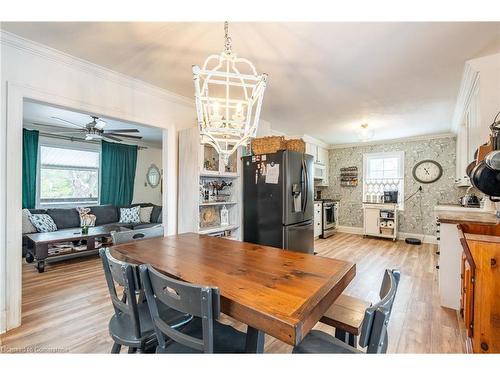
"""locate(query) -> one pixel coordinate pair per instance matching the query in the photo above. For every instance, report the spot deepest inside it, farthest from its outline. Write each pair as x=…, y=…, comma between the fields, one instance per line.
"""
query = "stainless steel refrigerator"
x=278, y=200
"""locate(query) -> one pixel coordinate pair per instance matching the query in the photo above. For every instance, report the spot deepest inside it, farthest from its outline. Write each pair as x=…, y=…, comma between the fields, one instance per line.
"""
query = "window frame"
x=68, y=145
x=386, y=155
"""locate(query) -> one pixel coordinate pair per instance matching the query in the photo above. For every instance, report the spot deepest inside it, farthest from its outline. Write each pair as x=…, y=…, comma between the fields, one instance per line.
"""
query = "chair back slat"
x=374, y=327
x=200, y=301
x=125, y=275
x=181, y=338
x=137, y=234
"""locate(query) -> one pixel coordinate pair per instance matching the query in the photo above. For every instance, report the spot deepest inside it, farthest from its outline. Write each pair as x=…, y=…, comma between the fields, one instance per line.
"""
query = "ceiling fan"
x=95, y=129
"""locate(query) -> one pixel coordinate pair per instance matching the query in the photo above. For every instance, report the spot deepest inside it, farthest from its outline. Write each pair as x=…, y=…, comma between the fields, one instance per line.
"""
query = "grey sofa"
x=66, y=218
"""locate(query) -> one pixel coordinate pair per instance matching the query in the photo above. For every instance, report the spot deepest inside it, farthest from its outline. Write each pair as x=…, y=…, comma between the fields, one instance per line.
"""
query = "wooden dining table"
x=276, y=292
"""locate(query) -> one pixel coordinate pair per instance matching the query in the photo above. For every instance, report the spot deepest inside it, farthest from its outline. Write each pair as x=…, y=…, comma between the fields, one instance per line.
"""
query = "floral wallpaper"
x=410, y=220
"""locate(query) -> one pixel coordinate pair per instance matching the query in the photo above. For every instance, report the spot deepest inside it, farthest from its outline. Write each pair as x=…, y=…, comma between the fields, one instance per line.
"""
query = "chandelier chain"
x=227, y=44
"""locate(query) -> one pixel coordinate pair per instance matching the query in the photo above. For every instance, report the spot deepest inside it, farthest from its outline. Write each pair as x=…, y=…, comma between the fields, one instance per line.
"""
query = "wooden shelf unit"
x=193, y=171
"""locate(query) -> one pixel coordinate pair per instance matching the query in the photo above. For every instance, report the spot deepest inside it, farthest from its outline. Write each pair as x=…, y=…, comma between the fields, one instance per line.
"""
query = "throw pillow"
x=130, y=215
x=145, y=214
x=43, y=223
x=27, y=225
x=86, y=218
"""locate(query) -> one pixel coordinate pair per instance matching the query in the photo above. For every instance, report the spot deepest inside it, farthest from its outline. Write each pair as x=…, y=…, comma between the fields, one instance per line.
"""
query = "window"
x=381, y=172
x=68, y=176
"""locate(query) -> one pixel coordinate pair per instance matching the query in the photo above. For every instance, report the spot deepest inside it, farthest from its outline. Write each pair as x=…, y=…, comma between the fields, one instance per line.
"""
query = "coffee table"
x=39, y=250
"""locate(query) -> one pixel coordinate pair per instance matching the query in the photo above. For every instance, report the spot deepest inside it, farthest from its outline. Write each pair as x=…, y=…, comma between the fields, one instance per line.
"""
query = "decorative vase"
x=224, y=216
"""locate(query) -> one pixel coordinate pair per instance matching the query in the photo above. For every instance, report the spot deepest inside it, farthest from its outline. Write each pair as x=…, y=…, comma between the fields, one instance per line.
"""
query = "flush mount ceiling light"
x=228, y=96
x=365, y=134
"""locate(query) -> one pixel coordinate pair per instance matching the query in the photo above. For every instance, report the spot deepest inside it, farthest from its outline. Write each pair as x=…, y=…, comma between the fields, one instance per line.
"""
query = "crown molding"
x=56, y=56
x=396, y=140
x=470, y=78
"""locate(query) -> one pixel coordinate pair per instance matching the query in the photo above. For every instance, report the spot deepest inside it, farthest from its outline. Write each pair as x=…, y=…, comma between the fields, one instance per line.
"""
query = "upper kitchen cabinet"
x=311, y=149
x=320, y=158
x=477, y=105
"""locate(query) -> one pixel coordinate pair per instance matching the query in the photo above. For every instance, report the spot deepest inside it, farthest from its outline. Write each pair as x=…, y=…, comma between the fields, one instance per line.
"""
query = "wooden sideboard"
x=480, y=293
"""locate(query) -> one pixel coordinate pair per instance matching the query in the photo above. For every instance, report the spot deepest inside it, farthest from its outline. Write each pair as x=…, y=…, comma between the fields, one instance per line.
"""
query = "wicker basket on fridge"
x=268, y=145
x=296, y=145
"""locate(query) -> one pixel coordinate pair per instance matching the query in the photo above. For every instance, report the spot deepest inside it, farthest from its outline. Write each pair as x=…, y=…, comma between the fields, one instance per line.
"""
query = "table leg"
x=254, y=341
x=41, y=253
x=91, y=243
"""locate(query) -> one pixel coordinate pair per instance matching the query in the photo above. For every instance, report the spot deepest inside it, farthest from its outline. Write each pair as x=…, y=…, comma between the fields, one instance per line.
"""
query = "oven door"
x=329, y=216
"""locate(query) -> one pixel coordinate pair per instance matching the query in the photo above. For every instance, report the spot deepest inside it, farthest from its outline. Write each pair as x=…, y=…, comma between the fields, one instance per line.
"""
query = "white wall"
x=31, y=70
x=489, y=90
x=143, y=193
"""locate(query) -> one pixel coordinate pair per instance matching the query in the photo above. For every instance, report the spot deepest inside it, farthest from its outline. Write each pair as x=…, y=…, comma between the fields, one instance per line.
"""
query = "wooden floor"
x=67, y=308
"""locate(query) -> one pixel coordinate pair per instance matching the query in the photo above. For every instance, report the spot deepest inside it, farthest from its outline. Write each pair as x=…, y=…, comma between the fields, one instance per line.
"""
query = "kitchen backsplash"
x=443, y=191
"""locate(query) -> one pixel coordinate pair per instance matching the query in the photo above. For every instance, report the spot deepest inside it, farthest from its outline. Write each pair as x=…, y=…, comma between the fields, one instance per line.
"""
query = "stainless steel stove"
x=330, y=217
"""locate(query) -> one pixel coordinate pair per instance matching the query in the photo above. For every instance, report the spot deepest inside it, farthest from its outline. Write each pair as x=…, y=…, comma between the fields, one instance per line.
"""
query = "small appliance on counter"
x=391, y=196
x=469, y=200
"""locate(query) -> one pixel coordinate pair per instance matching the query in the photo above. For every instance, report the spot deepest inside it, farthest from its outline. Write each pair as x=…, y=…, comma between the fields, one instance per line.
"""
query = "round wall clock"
x=427, y=171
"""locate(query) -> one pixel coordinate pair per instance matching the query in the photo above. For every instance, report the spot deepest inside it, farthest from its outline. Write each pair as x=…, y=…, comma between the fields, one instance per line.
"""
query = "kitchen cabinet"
x=318, y=219
x=371, y=221
x=450, y=250
x=467, y=297
x=450, y=257
x=311, y=149
x=481, y=286
x=468, y=137
x=320, y=158
x=319, y=153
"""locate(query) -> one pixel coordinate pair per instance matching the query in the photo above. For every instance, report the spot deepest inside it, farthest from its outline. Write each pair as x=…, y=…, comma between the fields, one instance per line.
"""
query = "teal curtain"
x=30, y=159
x=117, y=173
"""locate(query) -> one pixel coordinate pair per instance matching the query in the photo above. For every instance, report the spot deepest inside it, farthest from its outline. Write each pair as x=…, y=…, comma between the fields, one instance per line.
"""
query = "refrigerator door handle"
x=306, y=184
x=305, y=224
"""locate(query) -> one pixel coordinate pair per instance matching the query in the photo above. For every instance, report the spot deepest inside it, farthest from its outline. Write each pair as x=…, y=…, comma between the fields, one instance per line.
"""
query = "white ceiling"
x=325, y=79
x=42, y=117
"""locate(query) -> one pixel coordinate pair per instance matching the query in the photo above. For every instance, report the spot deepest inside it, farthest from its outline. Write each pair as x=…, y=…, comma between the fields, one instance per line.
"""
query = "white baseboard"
x=401, y=235
x=424, y=238
x=353, y=230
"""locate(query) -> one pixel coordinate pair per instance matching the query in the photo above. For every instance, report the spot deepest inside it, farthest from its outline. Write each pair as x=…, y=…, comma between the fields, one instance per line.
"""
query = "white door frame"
x=11, y=221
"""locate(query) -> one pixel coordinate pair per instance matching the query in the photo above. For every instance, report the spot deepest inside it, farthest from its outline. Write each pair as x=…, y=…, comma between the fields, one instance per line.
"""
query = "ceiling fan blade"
x=123, y=130
x=67, y=132
x=69, y=122
x=107, y=136
x=100, y=124
x=55, y=128
x=123, y=135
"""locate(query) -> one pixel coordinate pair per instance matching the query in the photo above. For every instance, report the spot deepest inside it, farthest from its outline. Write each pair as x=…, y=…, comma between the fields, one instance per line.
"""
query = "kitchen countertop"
x=481, y=238
x=456, y=215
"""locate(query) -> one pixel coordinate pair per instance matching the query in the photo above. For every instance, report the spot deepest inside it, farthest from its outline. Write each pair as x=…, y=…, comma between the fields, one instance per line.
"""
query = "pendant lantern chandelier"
x=228, y=95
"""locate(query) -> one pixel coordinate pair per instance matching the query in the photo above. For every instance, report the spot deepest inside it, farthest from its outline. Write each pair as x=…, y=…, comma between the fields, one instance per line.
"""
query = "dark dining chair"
x=204, y=334
x=136, y=234
x=131, y=323
x=373, y=330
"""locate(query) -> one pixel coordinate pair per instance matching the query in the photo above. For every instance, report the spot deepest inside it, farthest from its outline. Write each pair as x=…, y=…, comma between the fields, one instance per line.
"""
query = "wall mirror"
x=153, y=176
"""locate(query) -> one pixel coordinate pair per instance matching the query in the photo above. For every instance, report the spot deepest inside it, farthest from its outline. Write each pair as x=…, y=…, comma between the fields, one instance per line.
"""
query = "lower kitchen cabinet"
x=318, y=219
x=450, y=253
x=480, y=297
